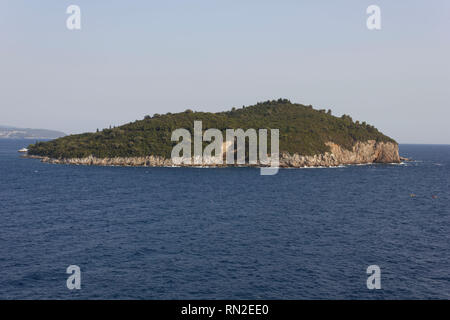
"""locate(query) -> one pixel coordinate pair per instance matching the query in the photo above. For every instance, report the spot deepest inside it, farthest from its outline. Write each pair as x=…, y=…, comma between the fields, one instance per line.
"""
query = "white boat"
x=23, y=150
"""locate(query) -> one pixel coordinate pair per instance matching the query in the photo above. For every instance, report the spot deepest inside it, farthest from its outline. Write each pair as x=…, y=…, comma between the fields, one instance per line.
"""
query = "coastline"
x=368, y=152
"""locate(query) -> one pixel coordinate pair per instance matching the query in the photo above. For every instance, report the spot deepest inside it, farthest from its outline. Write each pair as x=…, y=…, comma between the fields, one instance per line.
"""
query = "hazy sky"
x=133, y=58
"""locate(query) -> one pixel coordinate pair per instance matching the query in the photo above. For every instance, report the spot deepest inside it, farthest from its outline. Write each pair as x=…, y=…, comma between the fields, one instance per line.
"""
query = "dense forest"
x=303, y=130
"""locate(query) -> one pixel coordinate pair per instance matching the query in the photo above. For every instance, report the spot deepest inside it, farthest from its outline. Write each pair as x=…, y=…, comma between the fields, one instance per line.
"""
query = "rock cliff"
x=361, y=153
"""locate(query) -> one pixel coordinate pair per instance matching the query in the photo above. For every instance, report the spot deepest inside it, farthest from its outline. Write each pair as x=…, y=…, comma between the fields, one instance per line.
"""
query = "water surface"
x=186, y=233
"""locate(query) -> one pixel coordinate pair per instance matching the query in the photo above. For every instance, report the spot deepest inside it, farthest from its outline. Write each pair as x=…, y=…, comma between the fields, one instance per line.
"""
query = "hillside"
x=26, y=133
x=303, y=131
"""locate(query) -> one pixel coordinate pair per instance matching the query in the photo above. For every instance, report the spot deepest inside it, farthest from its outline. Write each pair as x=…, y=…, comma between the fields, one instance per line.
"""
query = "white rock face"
x=362, y=153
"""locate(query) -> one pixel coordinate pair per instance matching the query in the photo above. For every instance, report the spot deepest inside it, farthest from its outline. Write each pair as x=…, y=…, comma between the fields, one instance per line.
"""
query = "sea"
x=225, y=233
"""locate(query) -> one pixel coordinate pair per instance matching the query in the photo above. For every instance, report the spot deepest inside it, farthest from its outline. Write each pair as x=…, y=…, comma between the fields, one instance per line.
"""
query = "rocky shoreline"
x=362, y=153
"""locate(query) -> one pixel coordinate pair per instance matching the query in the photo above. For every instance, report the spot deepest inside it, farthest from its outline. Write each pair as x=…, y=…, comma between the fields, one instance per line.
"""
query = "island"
x=307, y=138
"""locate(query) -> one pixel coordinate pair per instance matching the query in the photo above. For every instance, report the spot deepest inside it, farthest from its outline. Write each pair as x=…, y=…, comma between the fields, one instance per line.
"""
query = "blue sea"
x=229, y=233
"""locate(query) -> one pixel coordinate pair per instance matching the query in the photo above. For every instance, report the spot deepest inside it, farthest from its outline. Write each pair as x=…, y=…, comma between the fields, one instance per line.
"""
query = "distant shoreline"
x=7, y=132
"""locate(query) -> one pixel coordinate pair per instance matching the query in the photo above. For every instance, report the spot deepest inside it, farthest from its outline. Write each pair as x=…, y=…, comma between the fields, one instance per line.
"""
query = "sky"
x=137, y=58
